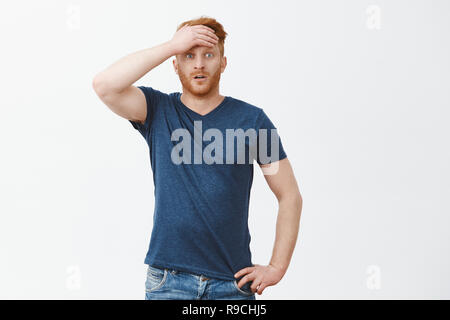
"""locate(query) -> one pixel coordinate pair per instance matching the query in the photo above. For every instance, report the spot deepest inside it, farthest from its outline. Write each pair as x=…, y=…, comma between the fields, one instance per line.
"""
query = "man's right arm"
x=114, y=85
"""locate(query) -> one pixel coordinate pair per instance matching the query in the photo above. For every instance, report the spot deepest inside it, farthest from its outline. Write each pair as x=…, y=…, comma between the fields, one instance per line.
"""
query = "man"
x=199, y=246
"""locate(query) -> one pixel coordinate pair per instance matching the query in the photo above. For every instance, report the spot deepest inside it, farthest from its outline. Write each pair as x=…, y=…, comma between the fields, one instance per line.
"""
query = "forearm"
x=288, y=222
x=127, y=70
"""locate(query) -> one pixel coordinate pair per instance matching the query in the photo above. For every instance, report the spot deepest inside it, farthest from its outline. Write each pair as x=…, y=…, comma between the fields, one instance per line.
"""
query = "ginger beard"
x=199, y=88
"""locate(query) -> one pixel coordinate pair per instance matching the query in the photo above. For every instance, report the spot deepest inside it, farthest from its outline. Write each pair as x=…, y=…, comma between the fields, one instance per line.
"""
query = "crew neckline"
x=198, y=115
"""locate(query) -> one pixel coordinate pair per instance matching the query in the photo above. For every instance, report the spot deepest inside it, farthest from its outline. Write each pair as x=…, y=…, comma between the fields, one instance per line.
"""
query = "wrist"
x=282, y=269
x=171, y=48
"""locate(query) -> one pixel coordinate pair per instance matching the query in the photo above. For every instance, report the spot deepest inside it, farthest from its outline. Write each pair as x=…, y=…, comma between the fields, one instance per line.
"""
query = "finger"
x=256, y=283
x=243, y=271
x=209, y=32
x=186, y=26
x=244, y=280
x=261, y=288
x=206, y=38
x=200, y=42
x=202, y=27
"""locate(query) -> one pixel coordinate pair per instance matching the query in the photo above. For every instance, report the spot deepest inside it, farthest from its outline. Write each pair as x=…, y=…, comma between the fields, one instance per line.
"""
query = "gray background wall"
x=359, y=91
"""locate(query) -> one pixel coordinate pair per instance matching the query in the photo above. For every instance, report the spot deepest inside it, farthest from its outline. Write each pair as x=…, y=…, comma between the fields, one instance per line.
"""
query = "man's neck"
x=202, y=105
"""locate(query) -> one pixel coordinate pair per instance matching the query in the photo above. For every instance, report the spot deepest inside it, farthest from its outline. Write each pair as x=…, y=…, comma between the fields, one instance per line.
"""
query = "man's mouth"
x=200, y=77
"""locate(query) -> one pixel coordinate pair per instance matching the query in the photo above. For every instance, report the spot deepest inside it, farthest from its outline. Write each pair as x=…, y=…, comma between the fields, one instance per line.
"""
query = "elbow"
x=100, y=86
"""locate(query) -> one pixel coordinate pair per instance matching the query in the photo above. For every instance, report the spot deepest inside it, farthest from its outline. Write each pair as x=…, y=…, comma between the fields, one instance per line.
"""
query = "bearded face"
x=199, y=69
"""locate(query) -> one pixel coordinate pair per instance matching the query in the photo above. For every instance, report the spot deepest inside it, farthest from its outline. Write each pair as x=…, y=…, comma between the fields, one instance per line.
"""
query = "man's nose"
x=199, y=62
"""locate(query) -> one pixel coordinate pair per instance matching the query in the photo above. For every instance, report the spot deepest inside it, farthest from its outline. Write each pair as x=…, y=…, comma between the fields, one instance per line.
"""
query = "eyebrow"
x=205, y=51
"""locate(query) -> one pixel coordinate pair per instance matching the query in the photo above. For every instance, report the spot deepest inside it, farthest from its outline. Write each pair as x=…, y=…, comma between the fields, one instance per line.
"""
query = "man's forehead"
x=201, y=48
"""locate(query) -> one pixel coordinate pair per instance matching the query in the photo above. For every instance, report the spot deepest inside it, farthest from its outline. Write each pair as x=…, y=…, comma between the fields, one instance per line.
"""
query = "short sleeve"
x=152, y=97
x=269, y=146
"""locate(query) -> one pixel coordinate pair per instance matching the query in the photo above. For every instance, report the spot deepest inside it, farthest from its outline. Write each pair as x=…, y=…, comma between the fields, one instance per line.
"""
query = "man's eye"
x=189, y=55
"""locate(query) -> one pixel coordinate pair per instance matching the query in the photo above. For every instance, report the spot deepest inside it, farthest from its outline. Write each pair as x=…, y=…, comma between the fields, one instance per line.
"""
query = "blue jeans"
x=169, y=284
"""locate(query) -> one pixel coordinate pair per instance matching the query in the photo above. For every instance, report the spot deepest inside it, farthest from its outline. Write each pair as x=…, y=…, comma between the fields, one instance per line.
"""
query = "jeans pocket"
x=245, y=289
x=155, y=278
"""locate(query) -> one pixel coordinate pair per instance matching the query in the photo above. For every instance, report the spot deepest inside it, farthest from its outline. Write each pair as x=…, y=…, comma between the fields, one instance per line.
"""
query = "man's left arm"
x=281, y=180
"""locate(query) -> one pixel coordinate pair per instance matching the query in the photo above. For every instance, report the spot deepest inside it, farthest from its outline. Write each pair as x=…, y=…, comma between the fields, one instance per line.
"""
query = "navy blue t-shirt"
x=200, y=219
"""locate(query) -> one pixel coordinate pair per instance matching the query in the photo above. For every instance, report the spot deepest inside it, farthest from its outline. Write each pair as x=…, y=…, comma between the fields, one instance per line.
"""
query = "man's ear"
x=223, y=64
x=175, y=65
